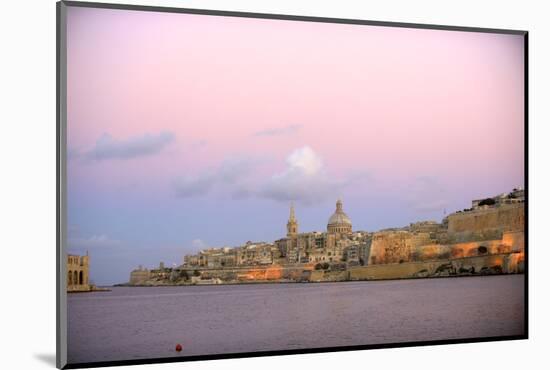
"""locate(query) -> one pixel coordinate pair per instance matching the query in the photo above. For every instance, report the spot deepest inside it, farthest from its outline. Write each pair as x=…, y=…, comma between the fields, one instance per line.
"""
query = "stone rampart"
x=507, y=217
x=256, y=273
x=396, y=246
x=325, y=276
x=488, y=264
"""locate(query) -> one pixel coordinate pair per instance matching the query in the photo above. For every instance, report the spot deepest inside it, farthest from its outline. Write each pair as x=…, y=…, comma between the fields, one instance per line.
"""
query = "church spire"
x=292, y=224
x=292, y=217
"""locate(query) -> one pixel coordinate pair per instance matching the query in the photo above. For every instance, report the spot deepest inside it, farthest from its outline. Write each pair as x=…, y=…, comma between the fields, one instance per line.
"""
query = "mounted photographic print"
x=237, y=184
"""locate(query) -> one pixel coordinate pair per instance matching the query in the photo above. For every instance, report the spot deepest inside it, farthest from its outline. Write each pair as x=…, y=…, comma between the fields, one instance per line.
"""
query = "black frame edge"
x=526, y=179
x=228, y=13
x=61, y=95
x=57, y=175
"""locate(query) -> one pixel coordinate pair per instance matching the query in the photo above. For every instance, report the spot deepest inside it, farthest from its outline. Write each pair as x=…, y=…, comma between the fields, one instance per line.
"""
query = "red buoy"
x=179, y=347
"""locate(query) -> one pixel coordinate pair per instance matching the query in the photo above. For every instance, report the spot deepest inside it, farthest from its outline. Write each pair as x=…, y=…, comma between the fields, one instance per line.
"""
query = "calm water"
x=133, y=323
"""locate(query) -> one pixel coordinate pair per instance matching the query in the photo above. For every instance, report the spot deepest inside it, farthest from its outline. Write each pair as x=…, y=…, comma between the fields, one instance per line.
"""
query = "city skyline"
x=176, y=142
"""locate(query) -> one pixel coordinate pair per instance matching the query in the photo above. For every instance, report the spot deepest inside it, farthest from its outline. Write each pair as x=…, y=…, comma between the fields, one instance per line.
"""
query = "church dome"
x=339, y=222
x=339, y=218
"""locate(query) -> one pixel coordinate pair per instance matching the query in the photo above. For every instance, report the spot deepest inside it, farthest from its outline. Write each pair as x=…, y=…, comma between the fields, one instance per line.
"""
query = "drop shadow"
x=47, y=358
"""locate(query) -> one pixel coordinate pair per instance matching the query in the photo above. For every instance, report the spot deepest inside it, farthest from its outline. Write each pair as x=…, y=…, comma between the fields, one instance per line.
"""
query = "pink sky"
x=390, y=100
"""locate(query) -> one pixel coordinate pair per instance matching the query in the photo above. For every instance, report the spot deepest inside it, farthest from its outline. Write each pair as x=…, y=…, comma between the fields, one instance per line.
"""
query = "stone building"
x=78, y=273
x=492, y=226
x=217, y=257
x=250, y=254
x=257, y=253
x=309, y=247
x=315, y=247
x=139, y=275
x=515, y=196
x=191, y=260
x=160, y=273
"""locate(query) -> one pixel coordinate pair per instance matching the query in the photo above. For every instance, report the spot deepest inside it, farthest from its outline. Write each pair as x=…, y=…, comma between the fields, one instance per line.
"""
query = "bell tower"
x=292, y=224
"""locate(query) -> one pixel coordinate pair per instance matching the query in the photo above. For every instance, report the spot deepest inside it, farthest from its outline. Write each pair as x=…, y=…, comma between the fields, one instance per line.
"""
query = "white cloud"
x=198, y=244
x=107, y=147
x=189, y=186
x=304, y=180
x=279, y=131
x=95, y=241
x=232, y=171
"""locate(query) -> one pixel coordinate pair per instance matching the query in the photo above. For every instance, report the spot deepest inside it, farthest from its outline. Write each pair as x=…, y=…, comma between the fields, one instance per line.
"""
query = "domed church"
x=316, y=246
x=339, y=222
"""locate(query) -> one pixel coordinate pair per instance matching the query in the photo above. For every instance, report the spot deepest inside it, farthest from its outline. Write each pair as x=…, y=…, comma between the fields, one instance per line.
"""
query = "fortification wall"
x=489, y=264
x=514, y=239
x=139, y=276
x=470, y=265
x=431, y=252
x=395, y=246
x=508, y=217
x=485, y=231
x=324, y=276
x=510, y=242
x=267, y=273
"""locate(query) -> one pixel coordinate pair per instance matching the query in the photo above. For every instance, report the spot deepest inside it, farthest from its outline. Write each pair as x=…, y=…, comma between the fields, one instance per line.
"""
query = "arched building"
x=77, y=273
